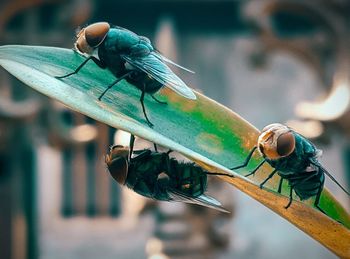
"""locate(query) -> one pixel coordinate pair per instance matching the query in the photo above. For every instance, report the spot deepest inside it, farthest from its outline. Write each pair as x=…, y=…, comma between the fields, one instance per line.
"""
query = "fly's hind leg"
x=317, y=200
x=290, y=198
x=143, y=107
x=95, y=60
x=158, y=101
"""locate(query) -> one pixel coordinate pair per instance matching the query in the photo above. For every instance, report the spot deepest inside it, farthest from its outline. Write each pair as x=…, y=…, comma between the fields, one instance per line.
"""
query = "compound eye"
x=285, y=144
x=96, y=33
x=118, y=168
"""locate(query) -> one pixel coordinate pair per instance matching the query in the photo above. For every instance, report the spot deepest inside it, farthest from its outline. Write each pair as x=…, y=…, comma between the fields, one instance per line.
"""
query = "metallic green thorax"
x=119, y=42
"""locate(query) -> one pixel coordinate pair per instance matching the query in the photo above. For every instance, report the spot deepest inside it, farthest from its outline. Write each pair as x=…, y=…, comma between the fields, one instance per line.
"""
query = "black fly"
x=131, y=57
x=158, y=176
x=295, y=159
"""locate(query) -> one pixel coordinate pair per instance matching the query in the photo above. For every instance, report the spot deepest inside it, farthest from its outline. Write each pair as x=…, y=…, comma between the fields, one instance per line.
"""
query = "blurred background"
x=270, y=61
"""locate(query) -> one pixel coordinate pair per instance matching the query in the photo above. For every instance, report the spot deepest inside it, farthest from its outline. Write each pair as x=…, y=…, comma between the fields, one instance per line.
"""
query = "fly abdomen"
x=191, y=179
x=306, y=184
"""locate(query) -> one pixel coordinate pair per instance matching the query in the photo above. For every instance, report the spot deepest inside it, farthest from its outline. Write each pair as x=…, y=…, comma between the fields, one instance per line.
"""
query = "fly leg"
x=167, y=161
x=256, y=169
x=143, y=107
x=245, y=163
x=268, y=178
x=301, y=181
x=317, y=200
x=98, y=62
x=131, y=145
x=290, y=198
x=158, y=101
x=280, y=185
x=115, y=82
x=155, y=147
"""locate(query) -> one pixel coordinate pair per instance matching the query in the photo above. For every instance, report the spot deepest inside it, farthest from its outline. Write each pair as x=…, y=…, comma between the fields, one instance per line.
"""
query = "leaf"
x=203, y=130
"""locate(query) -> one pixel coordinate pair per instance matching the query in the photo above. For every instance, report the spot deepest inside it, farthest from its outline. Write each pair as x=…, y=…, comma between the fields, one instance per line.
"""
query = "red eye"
x=96, y=33
x=118, y=169
x=285, y=144
x=117, y=163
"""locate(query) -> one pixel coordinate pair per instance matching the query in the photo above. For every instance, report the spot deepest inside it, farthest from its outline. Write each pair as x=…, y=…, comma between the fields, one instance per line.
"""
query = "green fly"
x=158, y=176
x=131, y=57
x=295, y=159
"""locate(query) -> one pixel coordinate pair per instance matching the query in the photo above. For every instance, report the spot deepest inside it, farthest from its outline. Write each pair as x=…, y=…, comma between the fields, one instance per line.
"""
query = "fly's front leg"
x=268, y=178
x=245, y=163
x=98, y=62
x=256, y=169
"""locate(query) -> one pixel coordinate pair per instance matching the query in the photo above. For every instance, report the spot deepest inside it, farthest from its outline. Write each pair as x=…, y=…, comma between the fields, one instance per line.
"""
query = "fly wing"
x=314, y=162
x=202, y=200
x=156, y=68
x=165, y=59
x=318, y=153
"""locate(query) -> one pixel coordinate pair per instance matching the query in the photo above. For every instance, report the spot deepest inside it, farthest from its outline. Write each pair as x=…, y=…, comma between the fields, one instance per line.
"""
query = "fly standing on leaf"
x=158, y=176
x=294, y=159
x=131, y=57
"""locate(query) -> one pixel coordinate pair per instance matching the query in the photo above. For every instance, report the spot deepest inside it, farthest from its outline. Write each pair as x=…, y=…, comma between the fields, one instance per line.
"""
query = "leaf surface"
x=203, y=130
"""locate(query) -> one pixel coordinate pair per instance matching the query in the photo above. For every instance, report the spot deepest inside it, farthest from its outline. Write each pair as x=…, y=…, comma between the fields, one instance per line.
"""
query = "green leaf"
x=203, y=130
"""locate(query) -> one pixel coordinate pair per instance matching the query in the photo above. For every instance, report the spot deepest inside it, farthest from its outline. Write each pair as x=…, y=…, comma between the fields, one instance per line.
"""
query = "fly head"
x=90, y=37
x=276, y=141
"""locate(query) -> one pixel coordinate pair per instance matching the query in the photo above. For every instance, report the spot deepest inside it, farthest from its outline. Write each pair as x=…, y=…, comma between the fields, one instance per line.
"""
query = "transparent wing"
x=162, y=58
x=318, y=153
x=317, y=164
x=202, y=200
x=156, y=68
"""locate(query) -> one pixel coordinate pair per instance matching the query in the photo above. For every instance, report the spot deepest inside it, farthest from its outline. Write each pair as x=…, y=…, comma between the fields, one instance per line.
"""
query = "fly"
x=295, y=159
x=158, y=176
x=131, y=57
